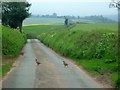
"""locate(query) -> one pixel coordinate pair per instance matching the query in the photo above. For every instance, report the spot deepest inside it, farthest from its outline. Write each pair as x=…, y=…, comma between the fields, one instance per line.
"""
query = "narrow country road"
x=51, y=73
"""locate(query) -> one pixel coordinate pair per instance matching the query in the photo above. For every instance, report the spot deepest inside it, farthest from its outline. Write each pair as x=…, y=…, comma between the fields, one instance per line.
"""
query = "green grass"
x=35, y=31
x=80, y=44
x=12, y=42
x=6, y=67
x=99, y=68
x=93, y=46
x=101, y=27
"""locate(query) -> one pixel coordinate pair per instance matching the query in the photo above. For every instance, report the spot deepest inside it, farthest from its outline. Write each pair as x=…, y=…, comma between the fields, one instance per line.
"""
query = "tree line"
x=13, y=14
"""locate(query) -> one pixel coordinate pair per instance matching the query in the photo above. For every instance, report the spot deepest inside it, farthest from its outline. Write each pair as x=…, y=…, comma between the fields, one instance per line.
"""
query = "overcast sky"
x=72, y=7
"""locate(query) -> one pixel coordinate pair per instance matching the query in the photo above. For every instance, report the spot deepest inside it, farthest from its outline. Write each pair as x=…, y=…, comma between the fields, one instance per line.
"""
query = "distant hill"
x=47, y=19
x=100, y=19
x=112, y=17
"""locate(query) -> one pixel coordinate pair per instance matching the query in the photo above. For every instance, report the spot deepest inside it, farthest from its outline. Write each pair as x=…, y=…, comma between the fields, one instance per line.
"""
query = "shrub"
x=12, y=41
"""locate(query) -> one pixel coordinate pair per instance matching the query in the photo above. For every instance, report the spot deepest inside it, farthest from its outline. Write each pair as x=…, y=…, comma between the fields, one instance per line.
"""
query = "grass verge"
x=12, y=43
x=6, y=67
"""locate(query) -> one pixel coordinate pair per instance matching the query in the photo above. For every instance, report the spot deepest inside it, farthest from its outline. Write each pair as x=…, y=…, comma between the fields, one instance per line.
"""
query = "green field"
x=49, y=21
x=92, y=46
x=33, y=32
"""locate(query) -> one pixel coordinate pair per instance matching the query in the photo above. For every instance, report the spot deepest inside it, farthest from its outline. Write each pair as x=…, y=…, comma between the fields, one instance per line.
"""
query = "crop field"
x=92, y=46
x=49, y=21
x=43, y=21
x=99, y=27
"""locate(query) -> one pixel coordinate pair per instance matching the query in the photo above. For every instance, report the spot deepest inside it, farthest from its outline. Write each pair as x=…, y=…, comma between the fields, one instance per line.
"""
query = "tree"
x=54, y=15
x=13, y=13
x=115, y=4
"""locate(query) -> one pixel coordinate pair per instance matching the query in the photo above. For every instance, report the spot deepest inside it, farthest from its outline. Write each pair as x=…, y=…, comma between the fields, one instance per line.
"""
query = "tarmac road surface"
x=51, y=73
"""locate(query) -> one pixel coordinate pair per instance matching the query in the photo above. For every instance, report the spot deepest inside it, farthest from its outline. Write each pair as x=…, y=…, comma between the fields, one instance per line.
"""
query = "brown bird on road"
x=65, y=64
x=37, y=62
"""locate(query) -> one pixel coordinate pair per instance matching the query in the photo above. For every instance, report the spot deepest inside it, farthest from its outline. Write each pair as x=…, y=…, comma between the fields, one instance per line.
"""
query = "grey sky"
x=71, y=7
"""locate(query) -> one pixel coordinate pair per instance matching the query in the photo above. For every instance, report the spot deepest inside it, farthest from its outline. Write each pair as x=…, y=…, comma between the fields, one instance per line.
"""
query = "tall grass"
x=12, y=41
x=93, y=48
x=83, y=44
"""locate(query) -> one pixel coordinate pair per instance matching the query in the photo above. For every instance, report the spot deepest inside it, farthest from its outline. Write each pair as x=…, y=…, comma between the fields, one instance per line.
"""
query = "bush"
x=83, y=45
x=12, y=41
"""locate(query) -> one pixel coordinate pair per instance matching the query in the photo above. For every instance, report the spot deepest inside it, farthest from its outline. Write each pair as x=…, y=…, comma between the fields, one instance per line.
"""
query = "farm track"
x=51, y=73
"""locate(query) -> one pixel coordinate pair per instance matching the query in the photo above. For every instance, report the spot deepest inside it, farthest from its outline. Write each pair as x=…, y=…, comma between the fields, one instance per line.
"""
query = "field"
x=92, y=46
x=49, y=21
x=43, y=21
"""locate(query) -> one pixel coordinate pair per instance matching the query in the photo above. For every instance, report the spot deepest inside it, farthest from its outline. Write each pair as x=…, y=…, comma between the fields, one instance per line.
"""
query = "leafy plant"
x=12, y=41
